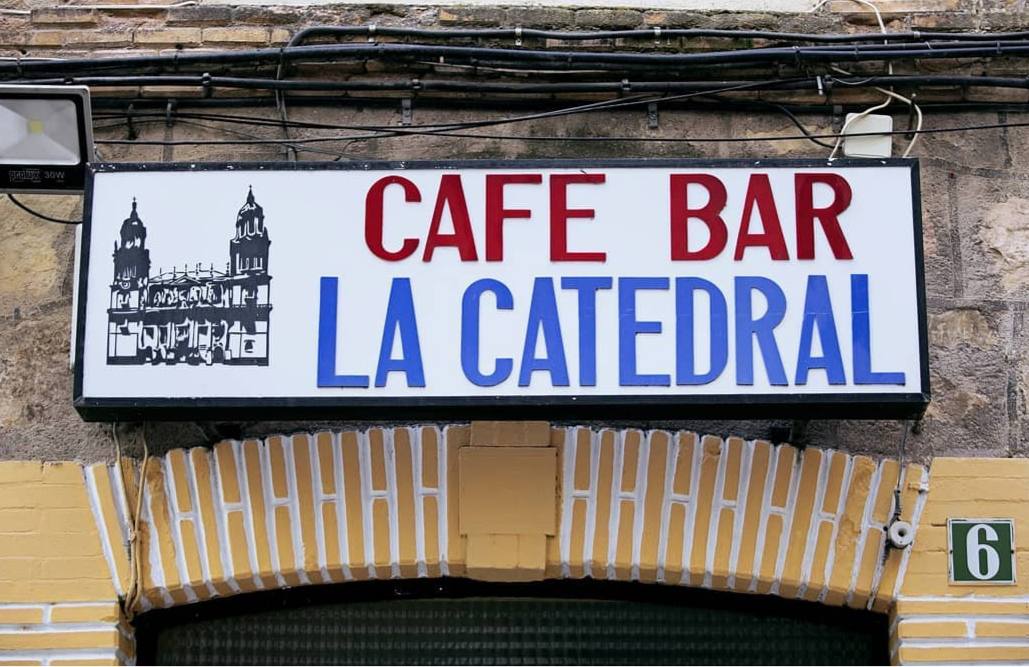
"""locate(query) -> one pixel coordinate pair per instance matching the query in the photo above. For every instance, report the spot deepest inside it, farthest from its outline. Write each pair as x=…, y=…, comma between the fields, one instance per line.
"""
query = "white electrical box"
x=868, y=145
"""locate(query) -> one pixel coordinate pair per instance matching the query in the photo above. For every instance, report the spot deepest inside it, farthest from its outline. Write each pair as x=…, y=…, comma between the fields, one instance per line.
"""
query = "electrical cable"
x=41, y=215
x=396, y=133
x=565, y=60
x=371, y=31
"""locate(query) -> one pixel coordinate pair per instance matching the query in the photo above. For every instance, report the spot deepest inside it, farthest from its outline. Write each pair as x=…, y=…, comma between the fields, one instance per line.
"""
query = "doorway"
x=459, y=621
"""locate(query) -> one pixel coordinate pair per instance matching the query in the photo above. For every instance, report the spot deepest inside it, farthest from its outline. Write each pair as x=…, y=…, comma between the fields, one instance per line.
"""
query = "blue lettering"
x=818, y=314
x=685, y=364
x=763, y=329
x=629, y=327
x=587, y=288
x=861, y=330
x=470, y=332
x=543, y=313
x=400, y=315
x=327, y=313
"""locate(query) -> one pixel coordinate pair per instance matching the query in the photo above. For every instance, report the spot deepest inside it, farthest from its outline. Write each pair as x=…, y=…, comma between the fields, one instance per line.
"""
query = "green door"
x=455, y=622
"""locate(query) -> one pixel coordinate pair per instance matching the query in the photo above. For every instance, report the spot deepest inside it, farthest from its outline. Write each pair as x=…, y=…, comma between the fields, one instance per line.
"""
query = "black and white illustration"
x=193, y=314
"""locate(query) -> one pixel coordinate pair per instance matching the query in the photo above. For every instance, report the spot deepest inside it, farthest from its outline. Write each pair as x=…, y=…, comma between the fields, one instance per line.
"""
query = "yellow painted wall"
x=621, y=504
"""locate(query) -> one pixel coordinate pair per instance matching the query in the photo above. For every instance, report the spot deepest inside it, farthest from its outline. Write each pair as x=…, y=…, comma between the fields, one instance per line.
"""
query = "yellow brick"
x=68, y=521
x=85, y=590
x=305, y=493
x=711, y=453
x=91, y=661
x=34, y=544
x=58, y=640
x=19, y=521
x=176, y=466
x=681, y=482
x=98, y=613
x=787, y=454
x=913, y=654
x=205, y=499
x=20, y=615
x=226, y=460
x=280, y=36
x=1007, y=629
x=974, y=468
x=62, y=473
x=657, y=467
x=277, y=462
x=760, y=458
x=430, y=458
x=66, y=567
x=959, y=607
x=13, y=569
x=12, y=663
x=377, y=449
x=404, y=446
x=803, y=507
x=30, y=496
x=251, y=452
x=931, y=629
x=20, y=472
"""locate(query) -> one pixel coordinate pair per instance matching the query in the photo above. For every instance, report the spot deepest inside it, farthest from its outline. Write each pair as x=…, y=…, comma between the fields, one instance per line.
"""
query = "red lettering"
x=373, y=218
x=451, y=196
x=560, y=214
x=496, y=214
x=759, y=193
x=681, y=214
x=828, y=216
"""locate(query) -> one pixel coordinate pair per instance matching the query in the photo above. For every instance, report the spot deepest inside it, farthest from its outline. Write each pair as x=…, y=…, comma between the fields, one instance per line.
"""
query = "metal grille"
x=498, y=630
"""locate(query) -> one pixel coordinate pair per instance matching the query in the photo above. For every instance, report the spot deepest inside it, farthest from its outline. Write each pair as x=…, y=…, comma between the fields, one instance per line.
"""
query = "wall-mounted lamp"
x=46, y=138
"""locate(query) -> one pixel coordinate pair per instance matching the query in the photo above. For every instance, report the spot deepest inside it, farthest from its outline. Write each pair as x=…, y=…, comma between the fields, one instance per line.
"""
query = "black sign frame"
x=582, y=407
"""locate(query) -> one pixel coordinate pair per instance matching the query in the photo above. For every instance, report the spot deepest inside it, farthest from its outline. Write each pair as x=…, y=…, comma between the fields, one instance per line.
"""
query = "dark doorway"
x=458, y=621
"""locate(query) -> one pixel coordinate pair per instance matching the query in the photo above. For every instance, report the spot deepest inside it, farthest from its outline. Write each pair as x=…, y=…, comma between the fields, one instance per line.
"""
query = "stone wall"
x=973, y=196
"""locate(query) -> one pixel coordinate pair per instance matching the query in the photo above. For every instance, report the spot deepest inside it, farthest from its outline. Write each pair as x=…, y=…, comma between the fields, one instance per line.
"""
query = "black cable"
x=399, y=133
x=564, y=60
x=548, y=88
x=670, y=33
x=40, y=215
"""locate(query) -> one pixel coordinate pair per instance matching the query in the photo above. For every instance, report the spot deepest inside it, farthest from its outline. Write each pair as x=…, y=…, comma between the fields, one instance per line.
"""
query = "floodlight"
x=46, y=138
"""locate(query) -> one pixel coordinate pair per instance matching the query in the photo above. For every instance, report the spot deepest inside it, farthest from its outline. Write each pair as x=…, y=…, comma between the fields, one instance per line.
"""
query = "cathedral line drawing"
x=194, y=315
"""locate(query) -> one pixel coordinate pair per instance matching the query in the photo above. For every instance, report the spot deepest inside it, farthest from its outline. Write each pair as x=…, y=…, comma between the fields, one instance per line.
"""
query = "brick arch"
x=655, y=506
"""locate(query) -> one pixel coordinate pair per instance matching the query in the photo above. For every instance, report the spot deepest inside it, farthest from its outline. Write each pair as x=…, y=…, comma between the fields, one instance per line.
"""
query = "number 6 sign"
x=981, y=551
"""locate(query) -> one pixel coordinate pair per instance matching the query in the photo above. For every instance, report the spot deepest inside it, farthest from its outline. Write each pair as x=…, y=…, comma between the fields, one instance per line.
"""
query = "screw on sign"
x=981, y=551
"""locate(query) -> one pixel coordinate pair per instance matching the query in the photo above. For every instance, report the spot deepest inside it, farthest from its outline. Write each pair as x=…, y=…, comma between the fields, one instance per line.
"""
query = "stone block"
x=473, y=16
x=609, y=19
x=236, y=36
x=509, y=490
x=64, y=16
x=541, y=17
x=168, y=36
x=510, y=434
x=200, y=16
x=894, y=6
x=97, y=38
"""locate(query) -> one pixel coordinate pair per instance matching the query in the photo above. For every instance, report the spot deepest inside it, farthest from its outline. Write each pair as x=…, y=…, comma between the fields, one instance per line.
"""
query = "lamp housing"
x=46, y=138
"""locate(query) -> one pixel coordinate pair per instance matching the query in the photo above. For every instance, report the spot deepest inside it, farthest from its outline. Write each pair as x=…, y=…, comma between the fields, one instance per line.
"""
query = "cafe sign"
x=634, y=288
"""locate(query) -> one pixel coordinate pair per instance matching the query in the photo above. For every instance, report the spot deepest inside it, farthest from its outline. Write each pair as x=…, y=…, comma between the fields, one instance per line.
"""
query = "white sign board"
x=675, y=288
